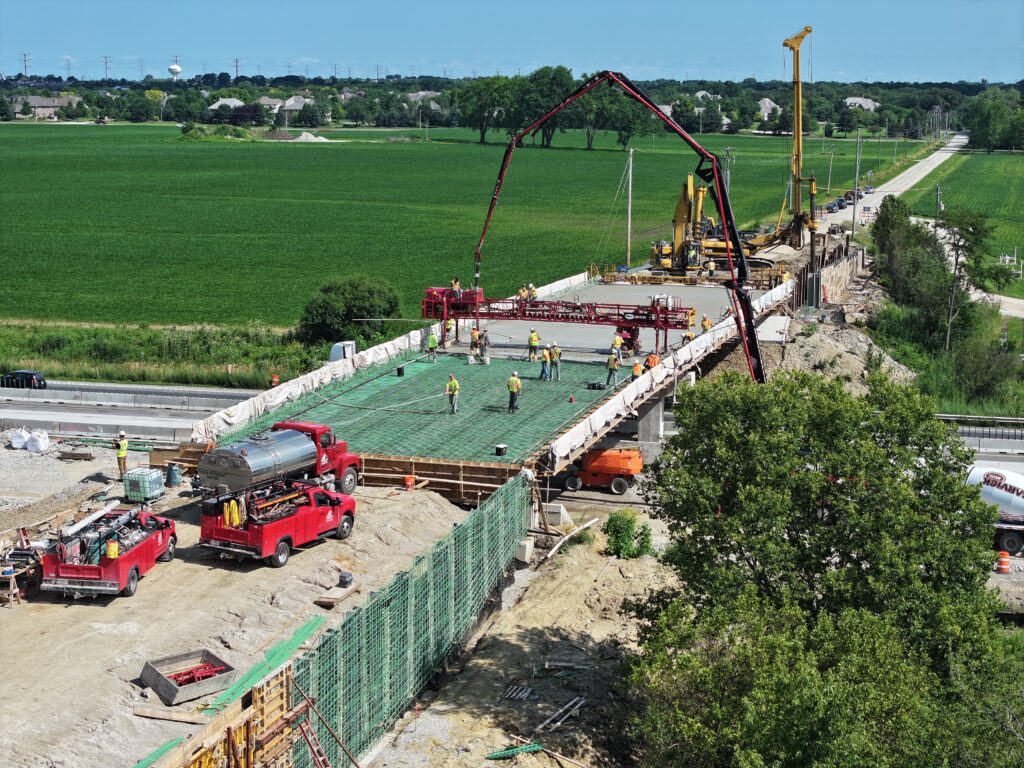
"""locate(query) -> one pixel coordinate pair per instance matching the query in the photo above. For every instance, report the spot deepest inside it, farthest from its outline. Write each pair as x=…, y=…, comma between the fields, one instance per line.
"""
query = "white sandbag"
x=19, y=438
x=38, y=441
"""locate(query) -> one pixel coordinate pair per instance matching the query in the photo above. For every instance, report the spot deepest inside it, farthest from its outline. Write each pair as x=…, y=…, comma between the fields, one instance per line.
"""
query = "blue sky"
x=853, y=39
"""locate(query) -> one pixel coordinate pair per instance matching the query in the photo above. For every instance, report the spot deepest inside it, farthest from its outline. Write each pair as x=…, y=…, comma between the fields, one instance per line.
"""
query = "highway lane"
x=160, y=390
x=174, y=424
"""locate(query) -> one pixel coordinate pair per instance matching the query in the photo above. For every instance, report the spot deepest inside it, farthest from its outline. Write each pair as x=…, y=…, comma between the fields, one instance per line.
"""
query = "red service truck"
x=268, y=523
x=107, y=552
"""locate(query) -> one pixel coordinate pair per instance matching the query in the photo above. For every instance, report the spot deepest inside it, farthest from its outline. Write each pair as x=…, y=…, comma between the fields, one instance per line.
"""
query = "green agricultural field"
x=133, y=224
x=989, y=184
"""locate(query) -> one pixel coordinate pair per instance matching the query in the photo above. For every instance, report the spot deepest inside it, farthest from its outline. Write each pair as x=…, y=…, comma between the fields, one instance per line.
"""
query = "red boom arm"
x=707, y=170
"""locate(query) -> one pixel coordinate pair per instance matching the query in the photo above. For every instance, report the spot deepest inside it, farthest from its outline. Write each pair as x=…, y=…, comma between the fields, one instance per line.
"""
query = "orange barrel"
x=113, y=550
x=410, y=482
x=1003, y=563
x=274, y=379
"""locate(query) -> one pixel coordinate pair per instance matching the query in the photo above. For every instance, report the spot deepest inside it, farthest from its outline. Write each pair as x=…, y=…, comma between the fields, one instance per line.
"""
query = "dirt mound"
x=565, y=639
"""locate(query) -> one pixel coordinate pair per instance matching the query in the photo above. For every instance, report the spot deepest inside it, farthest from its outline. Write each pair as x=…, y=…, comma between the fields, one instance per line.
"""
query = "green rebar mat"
x=505, y=754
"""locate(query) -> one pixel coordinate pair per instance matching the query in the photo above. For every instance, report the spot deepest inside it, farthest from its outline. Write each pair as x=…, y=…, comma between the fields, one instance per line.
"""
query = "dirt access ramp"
x=565, y=638
x=71, y=667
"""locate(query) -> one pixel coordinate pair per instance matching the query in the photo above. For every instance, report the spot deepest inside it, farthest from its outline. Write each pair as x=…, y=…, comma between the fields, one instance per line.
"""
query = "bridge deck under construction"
x=380, y=412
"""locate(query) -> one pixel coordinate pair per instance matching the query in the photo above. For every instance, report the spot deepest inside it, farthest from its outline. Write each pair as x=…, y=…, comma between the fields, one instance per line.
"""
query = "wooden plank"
x=335, y=595
x=177, y=716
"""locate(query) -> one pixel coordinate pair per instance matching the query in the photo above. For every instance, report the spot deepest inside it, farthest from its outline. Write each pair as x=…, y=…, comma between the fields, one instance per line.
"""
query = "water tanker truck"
x=291, y=450
x=1005, y=490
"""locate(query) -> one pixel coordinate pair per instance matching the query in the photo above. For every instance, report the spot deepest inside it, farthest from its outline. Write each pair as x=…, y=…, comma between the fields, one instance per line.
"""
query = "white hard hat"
x=515, y=373
x=530, y=285
x=121, y=433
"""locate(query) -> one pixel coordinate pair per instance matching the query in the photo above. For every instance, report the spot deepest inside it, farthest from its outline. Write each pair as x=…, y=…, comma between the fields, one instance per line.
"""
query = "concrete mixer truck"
x=1005, y=490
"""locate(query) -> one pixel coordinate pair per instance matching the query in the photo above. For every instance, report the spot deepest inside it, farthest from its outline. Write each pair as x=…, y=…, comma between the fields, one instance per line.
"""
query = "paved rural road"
x=161, y=390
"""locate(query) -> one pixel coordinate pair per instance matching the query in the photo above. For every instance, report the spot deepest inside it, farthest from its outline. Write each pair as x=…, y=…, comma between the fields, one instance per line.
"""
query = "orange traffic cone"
x=1003, y=563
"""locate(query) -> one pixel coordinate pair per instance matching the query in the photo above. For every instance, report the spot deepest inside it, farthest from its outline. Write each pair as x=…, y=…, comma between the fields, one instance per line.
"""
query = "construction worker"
x=523, y=294
x=638, y=369
x=432, y=346
x=613, y=370
x=705, y=323
x=785, y=274
x=456, y=288
x=617, y=346
x=121, y=448
x=709, y=265
x=556, y=362
x=449, y=328
x=474, y=341
x=533, y=344
x=532, y=292
x=515, y=386
x=688, y=336
x=452, y=390
x=653, y=361
x=545, y=363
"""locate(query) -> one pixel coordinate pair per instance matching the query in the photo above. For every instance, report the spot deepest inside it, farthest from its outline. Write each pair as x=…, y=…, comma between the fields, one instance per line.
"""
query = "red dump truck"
x=268, y=523
x=108, y=552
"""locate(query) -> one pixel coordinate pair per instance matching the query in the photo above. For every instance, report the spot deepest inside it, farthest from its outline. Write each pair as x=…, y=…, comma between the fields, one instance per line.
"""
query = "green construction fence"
x=363, y=674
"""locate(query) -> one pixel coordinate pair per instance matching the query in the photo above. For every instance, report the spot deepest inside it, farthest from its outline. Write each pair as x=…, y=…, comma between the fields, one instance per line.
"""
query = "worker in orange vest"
x=637, y=369
x=652, y=361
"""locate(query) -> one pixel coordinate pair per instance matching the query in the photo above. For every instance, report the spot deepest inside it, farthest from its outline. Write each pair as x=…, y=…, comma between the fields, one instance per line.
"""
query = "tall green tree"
x=336, y=312
x=481, y=102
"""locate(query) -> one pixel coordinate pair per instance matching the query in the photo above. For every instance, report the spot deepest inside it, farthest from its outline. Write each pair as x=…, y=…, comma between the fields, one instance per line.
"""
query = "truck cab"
x=268, y=527
x=332, y=455
x=109, y=554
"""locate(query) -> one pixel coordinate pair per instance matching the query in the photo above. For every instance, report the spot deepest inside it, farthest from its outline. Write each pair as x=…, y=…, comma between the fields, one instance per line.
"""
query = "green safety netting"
x=365, y=673
x=378, y=411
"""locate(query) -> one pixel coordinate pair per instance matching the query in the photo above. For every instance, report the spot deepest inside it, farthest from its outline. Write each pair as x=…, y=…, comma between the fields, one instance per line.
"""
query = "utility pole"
x=938, y=206
x=856, y=186
x=376, y=79
x=629, y=207
x=236, y=67
x=106, y=67
x=831, y=155
x=289, y=65
x=142, y=66
x=729, y=160
x=25, y=62
x=335, y=71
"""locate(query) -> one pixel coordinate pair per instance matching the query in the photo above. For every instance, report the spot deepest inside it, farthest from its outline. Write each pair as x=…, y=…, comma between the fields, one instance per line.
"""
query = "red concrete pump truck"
x=274, y=492
x=472, y=304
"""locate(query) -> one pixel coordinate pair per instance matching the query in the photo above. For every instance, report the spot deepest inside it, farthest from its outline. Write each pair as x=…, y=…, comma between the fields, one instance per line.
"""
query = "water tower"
x=175, y=70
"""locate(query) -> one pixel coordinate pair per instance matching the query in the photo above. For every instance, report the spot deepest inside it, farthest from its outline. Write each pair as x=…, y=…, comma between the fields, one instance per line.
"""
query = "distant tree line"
x=995, y=118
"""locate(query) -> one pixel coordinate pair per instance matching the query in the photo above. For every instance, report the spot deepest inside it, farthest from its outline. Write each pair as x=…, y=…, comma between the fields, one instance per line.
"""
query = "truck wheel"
x=618, y=486
x=572, y=483
x=1011, y=541
x=133, y=583
x=349, y=481
x=345, y=527
x=281, y=554
x=172, y=544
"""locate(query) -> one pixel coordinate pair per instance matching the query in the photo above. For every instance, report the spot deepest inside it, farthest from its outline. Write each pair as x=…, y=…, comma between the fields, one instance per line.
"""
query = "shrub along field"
x=130, y=224
x=989, y=184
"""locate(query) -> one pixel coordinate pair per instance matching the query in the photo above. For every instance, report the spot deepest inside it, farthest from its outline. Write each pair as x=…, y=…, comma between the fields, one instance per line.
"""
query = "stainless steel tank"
x=261, y=457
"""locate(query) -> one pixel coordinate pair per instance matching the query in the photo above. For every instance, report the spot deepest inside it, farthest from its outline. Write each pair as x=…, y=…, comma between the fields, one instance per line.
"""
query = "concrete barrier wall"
x=69, y=427
x=184, y=403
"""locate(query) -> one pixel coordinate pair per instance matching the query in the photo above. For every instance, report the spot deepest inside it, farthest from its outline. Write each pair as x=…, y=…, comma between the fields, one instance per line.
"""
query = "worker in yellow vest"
x=556, y=362
x=545, y=363
x=532, y=292
x=637, y=369
x=613, y=370
x=705, y=324
x=533, y=344
x=432, y=346
x=515, y=386
x=452, y=390
x=617, y=346
x=449, y=328
x=121, y=449
x=523, y=294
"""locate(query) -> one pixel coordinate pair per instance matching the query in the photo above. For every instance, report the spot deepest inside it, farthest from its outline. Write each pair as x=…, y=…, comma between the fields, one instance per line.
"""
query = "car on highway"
x=832, y=207
x=840, y=203
x=869, y=189
x=23, y=380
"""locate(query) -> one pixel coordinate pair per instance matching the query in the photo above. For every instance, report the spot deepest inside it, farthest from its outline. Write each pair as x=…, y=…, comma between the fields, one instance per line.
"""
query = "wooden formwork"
x=461, y=482
x=257, y=731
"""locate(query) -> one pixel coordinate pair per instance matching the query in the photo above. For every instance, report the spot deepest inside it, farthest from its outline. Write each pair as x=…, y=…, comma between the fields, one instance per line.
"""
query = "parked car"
x=23, y=380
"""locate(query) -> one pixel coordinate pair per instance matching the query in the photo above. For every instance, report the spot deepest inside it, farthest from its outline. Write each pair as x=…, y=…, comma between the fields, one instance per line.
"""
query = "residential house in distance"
x=767, y=107
x=43, y=106
x=229, y=102
x=868, y=105
x=271, y=104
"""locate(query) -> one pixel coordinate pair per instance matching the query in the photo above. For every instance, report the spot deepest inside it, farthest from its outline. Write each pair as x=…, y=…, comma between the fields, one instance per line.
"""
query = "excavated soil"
x=71, y=667
x=565, y=638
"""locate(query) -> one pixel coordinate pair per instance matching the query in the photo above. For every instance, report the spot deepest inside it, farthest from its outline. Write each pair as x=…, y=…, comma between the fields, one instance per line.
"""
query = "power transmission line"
x=24, y=63
x=236, y=67
x=106, y=67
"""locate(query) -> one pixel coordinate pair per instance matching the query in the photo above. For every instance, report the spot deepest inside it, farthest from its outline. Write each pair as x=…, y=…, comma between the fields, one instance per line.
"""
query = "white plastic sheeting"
x=210, y=428
x=623, y=401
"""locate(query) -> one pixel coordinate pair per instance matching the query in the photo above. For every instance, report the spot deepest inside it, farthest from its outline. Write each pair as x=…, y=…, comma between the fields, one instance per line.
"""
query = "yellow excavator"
x=694, y=236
